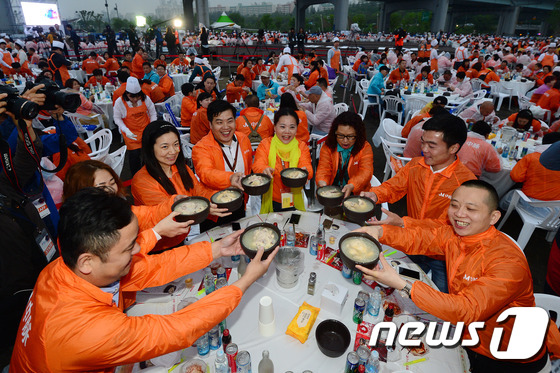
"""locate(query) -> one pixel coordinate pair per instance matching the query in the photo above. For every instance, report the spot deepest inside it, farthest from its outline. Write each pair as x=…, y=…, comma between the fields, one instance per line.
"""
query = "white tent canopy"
x=225, y=22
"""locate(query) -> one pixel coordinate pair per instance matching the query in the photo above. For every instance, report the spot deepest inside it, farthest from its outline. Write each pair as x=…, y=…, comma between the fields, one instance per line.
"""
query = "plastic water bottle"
x=374, y=302
x=290, y=236
x=505, y=152
x=265, y=365
x=220, y=364
x=313, y=245
x=203, y=345
x=372, y=365
x=209, y=286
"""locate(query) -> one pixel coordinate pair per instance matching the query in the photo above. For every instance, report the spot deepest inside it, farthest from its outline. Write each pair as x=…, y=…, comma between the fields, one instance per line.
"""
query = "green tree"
x=90, y=21
x=119, y=23
x=237, y=18
x=266, y=21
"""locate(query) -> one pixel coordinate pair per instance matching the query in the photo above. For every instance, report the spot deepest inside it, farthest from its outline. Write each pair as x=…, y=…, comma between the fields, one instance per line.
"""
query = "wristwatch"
x=405, y=292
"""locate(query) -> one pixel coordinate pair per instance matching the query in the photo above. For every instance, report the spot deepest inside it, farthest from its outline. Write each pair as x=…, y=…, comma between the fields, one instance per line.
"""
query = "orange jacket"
x=303, y=128
x=200, y=126
x=93, y=81
x=136, y=68
x=253, y=114
x=487, y=273
x=153, y=91
x=200, y=90
x=166, y=86
x=111, y=65
x=129, y=65
x=312, y=80
x=261, y=162
x=235, y=93
x=89, y=65
x=147, y=191
x=429, y=78
x=550, y=100
x=159, y=62
x=209, y=161
x=188, y=108
x=538, y=182
x=472, y=73
x=427, y=193
x=258, y=69
x=73, y=157
x=491, y=77
x=72, y=325
x=119, y=92
x=396, y=76
x=360, y=167
x=536, y=124
x=413, y=122
x=325, y=73
x=478, y=155
x=249, y=75
x=178, y=62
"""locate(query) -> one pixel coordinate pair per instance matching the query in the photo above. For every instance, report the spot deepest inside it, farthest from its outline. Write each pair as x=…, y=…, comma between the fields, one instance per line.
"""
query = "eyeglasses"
x=342, y=137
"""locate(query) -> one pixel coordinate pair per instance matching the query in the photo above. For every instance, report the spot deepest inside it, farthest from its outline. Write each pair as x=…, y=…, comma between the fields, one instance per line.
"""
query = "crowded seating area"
x=104, y=142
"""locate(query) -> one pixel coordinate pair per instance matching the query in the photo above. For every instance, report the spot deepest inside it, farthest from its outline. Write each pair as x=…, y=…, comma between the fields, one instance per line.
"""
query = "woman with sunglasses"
x=132, y=113
x=346, y=159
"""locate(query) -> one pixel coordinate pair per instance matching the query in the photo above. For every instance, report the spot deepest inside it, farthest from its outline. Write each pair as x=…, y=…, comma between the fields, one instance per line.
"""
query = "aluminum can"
x=231, y=354
x=243, y=362
x=352, y=361
x=359, y=307
x=214, y=337
x=346, y=272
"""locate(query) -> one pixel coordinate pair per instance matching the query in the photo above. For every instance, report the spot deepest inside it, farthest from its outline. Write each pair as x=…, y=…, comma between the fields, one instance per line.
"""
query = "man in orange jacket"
x=137, y=62
x=74, y=321
x=253, y=119
x=429, y=181
x=236, y=90
x=165, y=82
x=488, y=273
x=223, y=157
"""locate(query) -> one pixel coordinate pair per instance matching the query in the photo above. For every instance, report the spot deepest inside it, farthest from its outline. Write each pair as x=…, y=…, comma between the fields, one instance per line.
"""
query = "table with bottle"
x=313, y=279
x=103, y=100
x=513, y=146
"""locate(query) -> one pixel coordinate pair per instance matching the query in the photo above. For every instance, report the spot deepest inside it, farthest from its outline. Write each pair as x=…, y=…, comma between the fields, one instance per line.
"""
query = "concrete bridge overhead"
x=443, y=11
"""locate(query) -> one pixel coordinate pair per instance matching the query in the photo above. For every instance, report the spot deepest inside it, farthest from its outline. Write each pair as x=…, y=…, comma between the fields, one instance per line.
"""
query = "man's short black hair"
x=97, y=72
x=147, y=64
x=492, y=199
x=217, y=107
x=187, y=88
x=252, y=101
x=383, y=68
x=482, y=128
x=551, y=138
x=240, y=78
x=453, y=128
x=322, y=82
x=122, y=76
x=461, y=75
x=89, y=223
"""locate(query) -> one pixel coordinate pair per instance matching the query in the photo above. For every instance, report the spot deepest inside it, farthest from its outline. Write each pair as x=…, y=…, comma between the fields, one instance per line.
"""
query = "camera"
x=55, y=96
x=18, y=105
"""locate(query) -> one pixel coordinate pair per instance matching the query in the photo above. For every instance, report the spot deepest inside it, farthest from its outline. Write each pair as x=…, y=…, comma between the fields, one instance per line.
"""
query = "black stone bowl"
x=329, y=201
x=231, y=206
x=251, y=253
x=199, y=217
x=294, y=183
x=350, y=263
x=333, y=337
x=356, y=216
x=256, y=190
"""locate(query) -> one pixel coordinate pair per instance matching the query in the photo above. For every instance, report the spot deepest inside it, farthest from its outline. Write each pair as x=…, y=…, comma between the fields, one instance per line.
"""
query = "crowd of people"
x=87, y=259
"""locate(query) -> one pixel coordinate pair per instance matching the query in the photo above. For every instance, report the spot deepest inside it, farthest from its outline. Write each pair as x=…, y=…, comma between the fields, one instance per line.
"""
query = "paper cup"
x=267, y=324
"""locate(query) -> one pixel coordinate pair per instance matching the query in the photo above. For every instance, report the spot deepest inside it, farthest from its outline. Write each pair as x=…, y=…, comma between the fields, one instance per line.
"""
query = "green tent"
x=225, y=22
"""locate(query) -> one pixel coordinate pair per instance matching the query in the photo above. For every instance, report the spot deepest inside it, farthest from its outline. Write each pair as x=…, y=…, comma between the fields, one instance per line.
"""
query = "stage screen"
x=40, y=14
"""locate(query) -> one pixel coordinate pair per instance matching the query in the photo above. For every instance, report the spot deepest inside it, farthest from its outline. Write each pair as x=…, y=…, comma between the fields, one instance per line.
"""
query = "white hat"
x=20, y=43
x=132, y=85
x=434, y=43
x=552, y=45
x=58, y=44
x=463, y=41
x=335, y=40
x=2, y=41
x=287, y=50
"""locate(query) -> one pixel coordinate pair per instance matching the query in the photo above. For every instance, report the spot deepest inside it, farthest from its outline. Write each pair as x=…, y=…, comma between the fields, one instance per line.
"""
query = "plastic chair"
x=524, y=102
x=551, y=304
x=550, y=223
x=393, y=131
x=84, y=129
x=476, y=84
x=394, y=161
x=393, y=105
x=375, y=182
x=100, y=143
x=498, y=92
x=364, y=85
x=413, y=105
x=174, y=101
x=217, y=73
x=478, y=94
x=116, y=159
x=340, y=108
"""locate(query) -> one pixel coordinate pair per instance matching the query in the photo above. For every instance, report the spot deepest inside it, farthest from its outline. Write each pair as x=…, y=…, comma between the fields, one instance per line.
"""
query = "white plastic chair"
x=498, y=92
x=476, y=84
x=116, y=159
x=375, y=182
x=393, y=131
x=174, y=101
x=392, y=107
x=394, y=161
x=478, y=94
x=364, y=85
x=85, y=129
x=549, y=223
x=549, y=303
x=413, y=105
x=524, y=102
x=340, y=108
x=100, y=142
x=217, y=73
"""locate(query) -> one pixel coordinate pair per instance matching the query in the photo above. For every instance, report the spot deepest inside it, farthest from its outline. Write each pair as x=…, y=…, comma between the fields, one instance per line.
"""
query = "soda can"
x=321, y=250
x=214, y=337
x=359, y=308
x=352, y=361
x=243, y=362
x=526, y=136
x=357, y=277
x=346, y=272
x=221, y=273
x=363, y=354
x=493, y=143
x=524, y=152
x=231, y=354
x=283, y=239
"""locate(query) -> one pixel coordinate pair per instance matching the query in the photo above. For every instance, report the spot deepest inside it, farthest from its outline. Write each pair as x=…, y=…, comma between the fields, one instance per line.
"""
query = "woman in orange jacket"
x=208, y=85
x=314, y=74
x=188, y=104
x=346, y=159
x=199, y=122
x=165, y=172
x=160, y=61
x=277, y=153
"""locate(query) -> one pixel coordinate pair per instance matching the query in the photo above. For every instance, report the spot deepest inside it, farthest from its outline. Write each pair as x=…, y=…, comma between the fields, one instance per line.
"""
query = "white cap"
x=434, y=43
x=20, y=43
x=463, y=41
x=2, y=41
x=58, y=44
x=132, y=85
x=552, y=45
x=335, y=40
x=287, y=50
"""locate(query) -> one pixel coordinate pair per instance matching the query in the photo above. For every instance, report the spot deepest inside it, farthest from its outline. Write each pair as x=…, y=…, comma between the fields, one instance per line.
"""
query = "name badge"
x=287, y=200
x=41, y=207
x=46, y=244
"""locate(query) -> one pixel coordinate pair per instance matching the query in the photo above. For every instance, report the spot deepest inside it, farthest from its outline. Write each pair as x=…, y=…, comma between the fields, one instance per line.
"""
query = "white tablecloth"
x=180, y=79
x=517, y=86
x=106, y=105
x=286, y=352
x=79, y=75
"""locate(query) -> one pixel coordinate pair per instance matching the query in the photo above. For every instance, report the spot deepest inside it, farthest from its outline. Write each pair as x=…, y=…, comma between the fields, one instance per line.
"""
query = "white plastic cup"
x=267, y=324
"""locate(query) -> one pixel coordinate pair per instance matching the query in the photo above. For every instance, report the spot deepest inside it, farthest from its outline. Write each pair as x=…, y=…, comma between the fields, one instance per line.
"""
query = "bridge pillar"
x=381, y=18
x=188, y=14
x=341, y=15
x=508, y=21
x=202, y=12
x=439, y=15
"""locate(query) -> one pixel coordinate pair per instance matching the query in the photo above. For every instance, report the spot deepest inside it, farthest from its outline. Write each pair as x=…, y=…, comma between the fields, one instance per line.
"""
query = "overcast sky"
x=67, y=8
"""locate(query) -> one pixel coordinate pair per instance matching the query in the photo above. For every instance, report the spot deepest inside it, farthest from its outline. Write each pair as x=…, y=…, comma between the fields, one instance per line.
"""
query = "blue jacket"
x=152, y=76
x=376, y=84
x=261, y=90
